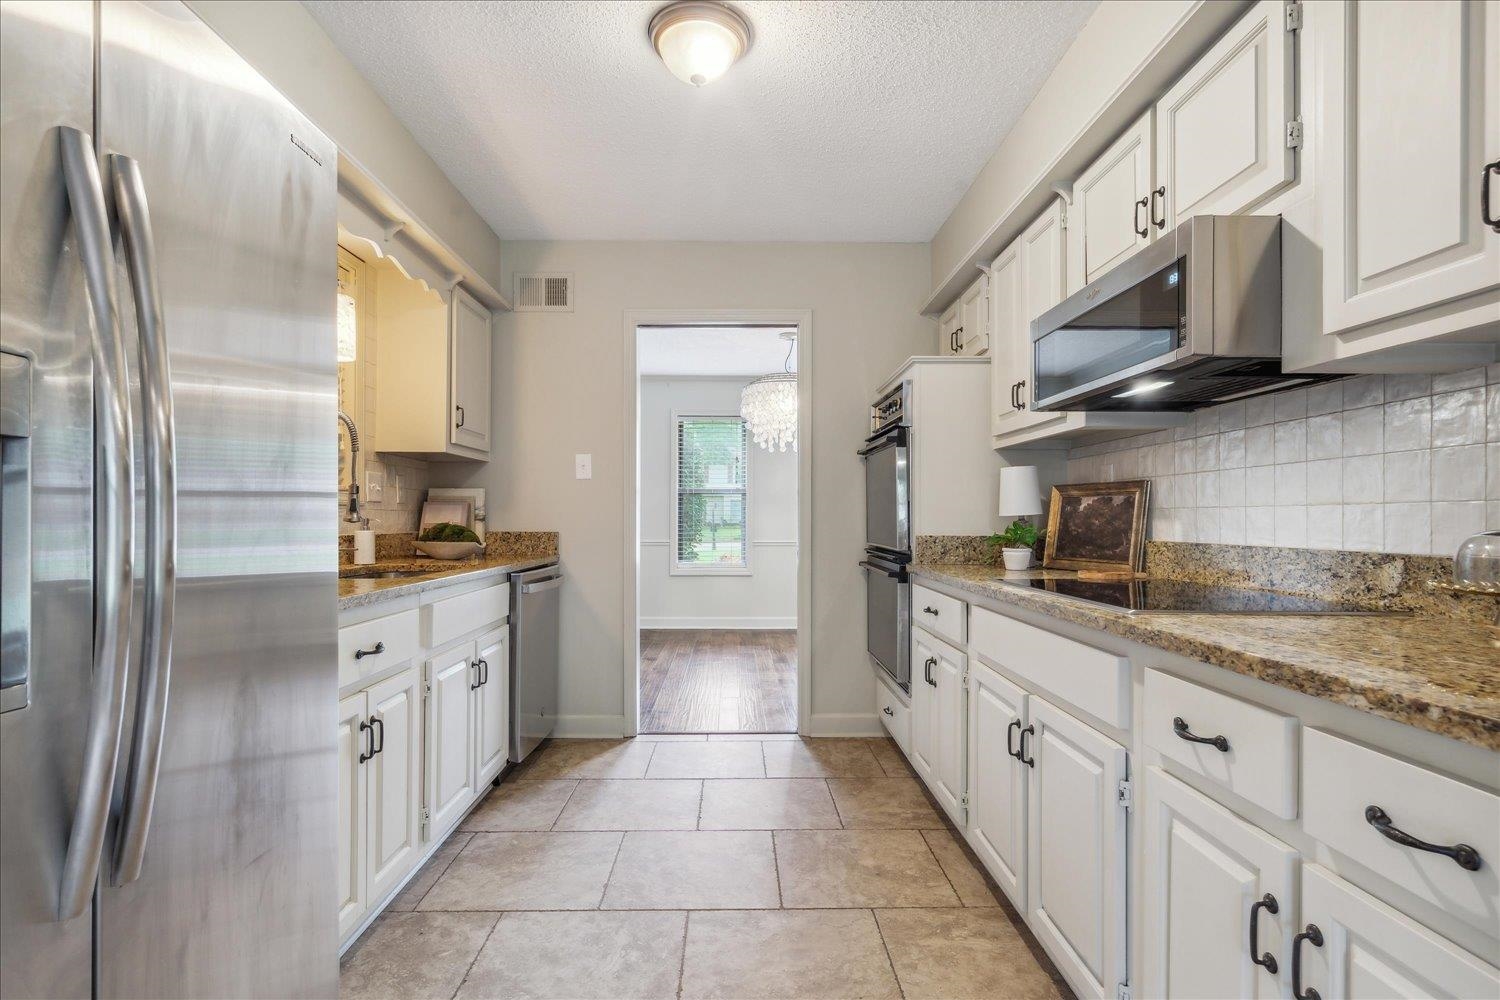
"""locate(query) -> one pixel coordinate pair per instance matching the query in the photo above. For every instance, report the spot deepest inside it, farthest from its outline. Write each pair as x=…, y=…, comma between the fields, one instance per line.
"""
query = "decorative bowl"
x=449, y=550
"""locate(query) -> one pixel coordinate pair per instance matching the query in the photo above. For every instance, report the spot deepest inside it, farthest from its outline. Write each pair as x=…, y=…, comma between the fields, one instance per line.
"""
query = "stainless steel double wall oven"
x=888, y=539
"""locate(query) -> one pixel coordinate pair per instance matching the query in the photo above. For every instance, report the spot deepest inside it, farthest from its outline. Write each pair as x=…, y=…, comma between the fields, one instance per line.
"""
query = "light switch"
x=583, y=466
x=374, y=487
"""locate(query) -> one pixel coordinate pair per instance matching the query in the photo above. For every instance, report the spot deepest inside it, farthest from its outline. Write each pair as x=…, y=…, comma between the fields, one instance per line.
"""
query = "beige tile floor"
x=694, y=867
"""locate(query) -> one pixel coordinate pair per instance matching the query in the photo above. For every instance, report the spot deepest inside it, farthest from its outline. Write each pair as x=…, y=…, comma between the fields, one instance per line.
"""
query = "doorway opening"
x=719, y=517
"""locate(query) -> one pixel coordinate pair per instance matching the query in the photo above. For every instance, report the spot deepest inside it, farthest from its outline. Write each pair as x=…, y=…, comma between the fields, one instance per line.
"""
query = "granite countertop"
x=360, y=591
x=1437, y=674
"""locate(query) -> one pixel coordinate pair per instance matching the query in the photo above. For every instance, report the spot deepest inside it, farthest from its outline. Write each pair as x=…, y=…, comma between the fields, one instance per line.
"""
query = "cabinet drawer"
x=1096, y=681
x=394, y=635
x=1260, y=763
x=452, y=617
x=1342, y=780
x=894, y=714
x=939, y=614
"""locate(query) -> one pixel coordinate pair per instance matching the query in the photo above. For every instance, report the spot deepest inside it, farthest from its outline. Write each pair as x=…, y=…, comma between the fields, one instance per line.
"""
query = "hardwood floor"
x=718, y=681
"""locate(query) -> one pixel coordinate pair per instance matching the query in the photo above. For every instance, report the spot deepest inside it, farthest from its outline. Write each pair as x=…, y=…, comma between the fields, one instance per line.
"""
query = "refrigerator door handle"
x=161, y=520
x=114, y=519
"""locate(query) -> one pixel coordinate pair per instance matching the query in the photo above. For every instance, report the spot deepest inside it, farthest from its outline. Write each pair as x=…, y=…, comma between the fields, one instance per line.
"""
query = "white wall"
x=290, y=49
x=559, y=389
x=767, y=598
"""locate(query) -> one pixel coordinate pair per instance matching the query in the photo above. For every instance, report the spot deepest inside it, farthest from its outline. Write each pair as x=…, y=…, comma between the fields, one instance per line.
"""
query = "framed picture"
x=445, y=512
x=1097, y=526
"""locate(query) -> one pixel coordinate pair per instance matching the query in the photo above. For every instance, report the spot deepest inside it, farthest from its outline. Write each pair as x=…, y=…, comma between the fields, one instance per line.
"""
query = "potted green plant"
x=1016, y=543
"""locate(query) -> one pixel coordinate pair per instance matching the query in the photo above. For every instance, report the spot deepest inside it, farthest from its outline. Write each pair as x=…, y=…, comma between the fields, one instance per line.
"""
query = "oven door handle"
x=893, y=570
x=884, y=439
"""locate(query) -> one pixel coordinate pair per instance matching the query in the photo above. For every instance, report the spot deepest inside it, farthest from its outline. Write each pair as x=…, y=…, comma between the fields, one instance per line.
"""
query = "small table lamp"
x=1020, y=497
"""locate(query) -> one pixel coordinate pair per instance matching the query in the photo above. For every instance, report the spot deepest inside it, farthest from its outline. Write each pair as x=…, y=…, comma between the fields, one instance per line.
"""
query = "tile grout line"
x=687, y=915
x=702, y=791
x=939, y=862
x=776, y=867
x=887, y=949
x=571, y=792
x=440, y=874
x=474, y=961
x=604, y=890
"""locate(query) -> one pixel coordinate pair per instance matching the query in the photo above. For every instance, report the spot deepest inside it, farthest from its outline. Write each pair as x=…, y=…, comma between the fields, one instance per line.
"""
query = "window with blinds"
x=711, y=485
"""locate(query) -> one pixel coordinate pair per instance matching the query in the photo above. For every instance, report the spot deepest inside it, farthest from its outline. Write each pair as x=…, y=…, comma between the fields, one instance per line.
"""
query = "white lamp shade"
x=1020, y=493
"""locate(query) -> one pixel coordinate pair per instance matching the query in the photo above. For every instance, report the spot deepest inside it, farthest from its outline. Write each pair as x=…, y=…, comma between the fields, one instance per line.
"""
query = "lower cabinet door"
x=923, y=704
x=997, y=780
x=395, y=783
x=1369, y=950
x=949, y=760
x=352, y=744
x=1075, y=873
x=492, y=706
x=450, y=736
x=1205, y=868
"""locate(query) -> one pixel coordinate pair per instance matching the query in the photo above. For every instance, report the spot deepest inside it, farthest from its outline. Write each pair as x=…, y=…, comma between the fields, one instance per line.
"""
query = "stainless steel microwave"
x=1192, y=320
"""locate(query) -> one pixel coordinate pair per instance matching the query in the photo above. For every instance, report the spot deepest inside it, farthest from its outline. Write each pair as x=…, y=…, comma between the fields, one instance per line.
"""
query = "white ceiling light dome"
x=699, y=39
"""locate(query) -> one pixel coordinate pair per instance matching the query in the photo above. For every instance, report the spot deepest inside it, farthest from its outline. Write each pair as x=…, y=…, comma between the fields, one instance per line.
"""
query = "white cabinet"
x=1076, y=843
x=997, y=779
x=470, y=377
x=492, y=706
x=948, y=332
x=937, y=705
x=451, y=680
x=1408, y=113
x=1111, y=214
x=468, y=724
x=1221, y=131
x=380, y=802
x=354, y=898
x=1355, y=947
x=974, y=319
x=1209, y=877
x=1041, y=253
x=1010, y=353
x=432, y=370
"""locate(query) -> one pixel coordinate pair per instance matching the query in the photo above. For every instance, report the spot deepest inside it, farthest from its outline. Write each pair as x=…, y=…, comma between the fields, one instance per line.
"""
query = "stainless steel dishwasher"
x=534, y=596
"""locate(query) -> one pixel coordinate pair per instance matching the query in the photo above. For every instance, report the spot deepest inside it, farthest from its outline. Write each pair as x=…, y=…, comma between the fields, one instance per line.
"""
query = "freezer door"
x=46, y=81
x=236, y=893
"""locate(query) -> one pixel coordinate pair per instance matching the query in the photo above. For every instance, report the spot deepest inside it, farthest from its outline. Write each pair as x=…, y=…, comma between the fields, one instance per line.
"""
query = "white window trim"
x=673, y=568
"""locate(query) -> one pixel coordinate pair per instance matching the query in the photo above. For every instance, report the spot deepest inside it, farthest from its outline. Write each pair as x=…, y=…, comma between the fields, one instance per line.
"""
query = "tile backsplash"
x=1378, y=463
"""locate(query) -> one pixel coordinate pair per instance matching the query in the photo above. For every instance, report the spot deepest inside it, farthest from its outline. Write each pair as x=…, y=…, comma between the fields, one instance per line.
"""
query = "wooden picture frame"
x=1083, y=535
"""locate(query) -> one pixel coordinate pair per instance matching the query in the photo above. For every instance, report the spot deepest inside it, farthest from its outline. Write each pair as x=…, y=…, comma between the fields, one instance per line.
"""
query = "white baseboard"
x=853, y=724
x=574, y=727
x=744, y=623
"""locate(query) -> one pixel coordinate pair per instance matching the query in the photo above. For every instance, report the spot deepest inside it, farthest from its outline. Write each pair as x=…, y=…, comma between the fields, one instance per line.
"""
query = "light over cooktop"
x=1182, y=597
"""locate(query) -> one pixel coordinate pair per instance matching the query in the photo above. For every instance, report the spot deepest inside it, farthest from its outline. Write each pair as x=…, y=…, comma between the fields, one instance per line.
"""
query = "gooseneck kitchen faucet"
x=353, y=516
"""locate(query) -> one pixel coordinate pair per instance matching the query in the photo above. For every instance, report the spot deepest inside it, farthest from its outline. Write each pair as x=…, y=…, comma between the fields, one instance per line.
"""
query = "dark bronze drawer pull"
x=1015, y=726
x=1465, y=856
x=1220, y=743
x=887, y=711
x=930, y=610
x=1315, y=936
x=370, y=743
x=1028, y=761
x=1268, y=903
x=375, y=650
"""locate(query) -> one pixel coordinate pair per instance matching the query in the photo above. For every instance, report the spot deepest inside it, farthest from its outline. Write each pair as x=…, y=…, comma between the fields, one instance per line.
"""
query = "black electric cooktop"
x=1180, y=597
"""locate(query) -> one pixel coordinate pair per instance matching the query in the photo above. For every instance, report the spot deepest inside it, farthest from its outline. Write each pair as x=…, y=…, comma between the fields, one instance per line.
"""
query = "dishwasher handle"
x=538, y=586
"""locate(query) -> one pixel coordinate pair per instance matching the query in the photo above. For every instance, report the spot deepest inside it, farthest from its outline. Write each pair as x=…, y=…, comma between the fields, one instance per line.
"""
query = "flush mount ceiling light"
x=769, y=404
x=698, y=39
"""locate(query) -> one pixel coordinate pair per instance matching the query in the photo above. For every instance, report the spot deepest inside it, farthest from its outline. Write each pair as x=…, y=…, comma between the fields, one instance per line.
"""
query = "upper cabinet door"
x=1370, y=950
x=1408, y=114
x=1111, y=214
x=1043, y=250
x=470, y=423
x=948, y=330
x=1009, y=348
x=1221, y=130
x=974, y=320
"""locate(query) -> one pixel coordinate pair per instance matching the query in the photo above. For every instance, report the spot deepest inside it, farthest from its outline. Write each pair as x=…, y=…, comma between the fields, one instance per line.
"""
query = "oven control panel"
x=891, y=410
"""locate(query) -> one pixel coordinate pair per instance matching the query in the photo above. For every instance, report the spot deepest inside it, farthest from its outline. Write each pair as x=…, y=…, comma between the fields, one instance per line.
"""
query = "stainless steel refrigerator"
x=167, y=279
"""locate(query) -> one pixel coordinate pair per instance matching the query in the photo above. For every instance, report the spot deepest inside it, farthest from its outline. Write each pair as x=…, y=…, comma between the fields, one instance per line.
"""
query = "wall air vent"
x=544, y=293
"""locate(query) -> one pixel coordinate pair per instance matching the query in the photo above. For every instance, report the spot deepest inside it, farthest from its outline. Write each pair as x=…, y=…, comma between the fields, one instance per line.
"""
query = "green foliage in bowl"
x=447, y=532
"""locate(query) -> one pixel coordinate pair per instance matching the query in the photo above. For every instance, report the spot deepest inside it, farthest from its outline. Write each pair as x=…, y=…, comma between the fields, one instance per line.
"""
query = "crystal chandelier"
x=769, y=405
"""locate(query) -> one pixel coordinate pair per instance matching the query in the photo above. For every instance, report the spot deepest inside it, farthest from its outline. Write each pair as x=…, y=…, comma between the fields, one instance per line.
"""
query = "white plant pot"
x=1016, y=559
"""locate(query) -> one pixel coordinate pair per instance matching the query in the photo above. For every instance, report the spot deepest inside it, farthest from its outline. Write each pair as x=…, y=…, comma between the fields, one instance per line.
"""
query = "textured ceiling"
x=848, y=120
x=723, y=350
